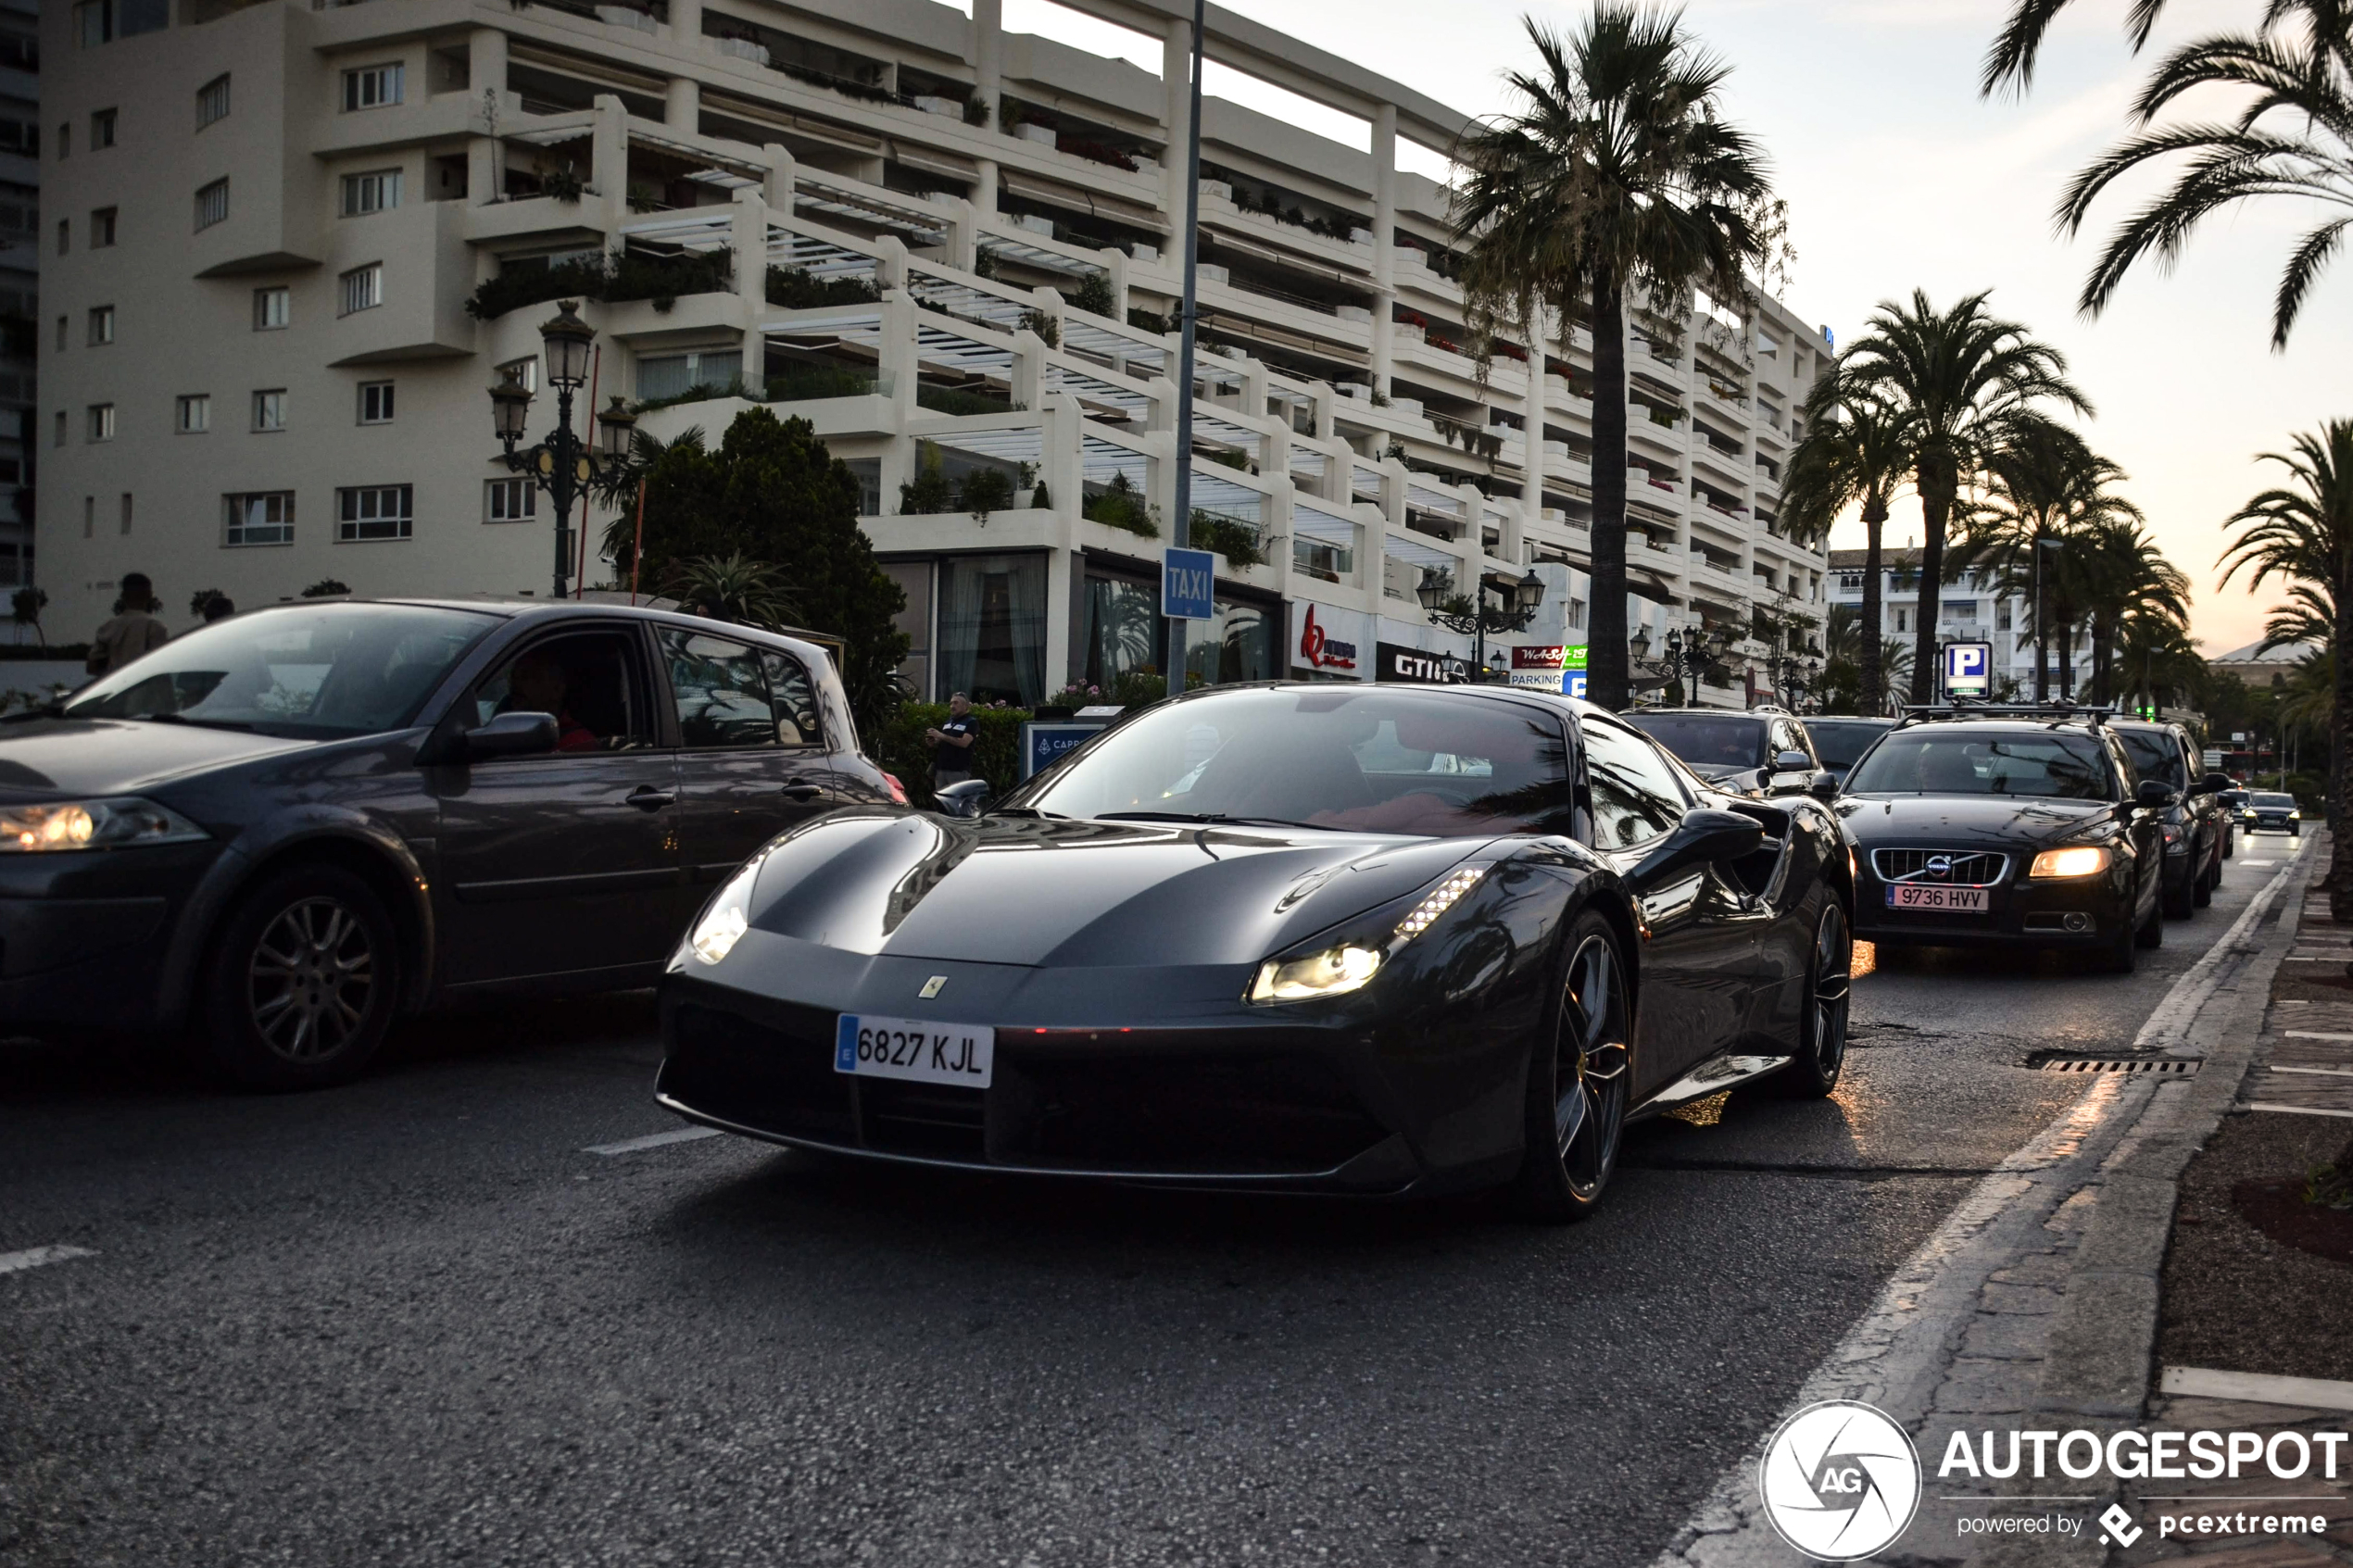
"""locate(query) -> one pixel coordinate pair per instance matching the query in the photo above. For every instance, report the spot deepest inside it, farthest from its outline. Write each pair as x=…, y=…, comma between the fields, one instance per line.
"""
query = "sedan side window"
x=721, y=689
x=590, y=681
x=793, y=699
x=1636, y=798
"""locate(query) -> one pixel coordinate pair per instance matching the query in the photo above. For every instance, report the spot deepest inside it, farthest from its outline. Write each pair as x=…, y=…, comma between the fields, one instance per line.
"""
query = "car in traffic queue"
x=289, y=826
x=2019, y=827
x=1752, y=753
x=2273, y=811
x=1368, y=939
x=2195, y=825
x=1839, y=742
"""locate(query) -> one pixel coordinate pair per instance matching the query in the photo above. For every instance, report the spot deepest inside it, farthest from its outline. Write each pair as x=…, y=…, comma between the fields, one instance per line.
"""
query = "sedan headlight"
x=2296, y=815
x=122, y=822
x=726, y=918
x=2081, y=859
x=1347, y=966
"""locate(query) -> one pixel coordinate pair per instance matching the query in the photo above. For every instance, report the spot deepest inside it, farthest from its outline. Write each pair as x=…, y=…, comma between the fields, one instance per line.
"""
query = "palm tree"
x=733, y=587
x=2010, y=62
x=2290, y=135
x=2031, y=480
x=1613, y=179
x=1967, y=385
x=1857, y=451
x=2129, y=583
x=1843, y=631
x=2310, y=616
x=2302, y=531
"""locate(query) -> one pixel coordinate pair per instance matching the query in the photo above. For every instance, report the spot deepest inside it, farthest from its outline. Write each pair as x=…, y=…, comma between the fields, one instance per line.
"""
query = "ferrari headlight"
x=2081, y=859
x=121, y=823
x=723, y=924
x=1332, y=973
x=1441, y=901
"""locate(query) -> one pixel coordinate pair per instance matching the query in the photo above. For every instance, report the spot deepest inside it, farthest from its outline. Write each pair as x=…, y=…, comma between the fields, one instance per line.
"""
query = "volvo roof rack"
x=2054, y=712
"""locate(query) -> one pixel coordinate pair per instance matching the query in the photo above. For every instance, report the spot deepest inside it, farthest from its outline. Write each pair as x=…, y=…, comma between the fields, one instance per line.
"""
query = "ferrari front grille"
x=1942, y=868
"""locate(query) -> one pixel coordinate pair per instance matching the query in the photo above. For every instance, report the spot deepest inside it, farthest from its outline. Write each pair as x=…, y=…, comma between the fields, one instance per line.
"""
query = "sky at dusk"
x=1899, y=176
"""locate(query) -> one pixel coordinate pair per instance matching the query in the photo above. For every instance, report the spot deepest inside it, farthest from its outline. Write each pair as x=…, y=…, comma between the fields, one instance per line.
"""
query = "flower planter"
x=744, y=49
x=1035, y=133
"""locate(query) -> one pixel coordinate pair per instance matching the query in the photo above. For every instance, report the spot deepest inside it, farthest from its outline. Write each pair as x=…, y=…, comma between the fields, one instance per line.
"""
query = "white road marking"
x=34, y=1257
x=2296, y=1109
x=2258, y=1387
x=2319, y=1071
x=652, y=1140
x=2253, y=865
x=2314, y=1035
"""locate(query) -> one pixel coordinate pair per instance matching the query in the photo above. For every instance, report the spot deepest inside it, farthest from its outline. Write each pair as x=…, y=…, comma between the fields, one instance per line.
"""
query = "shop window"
x=992, y=628
x=1120, y=629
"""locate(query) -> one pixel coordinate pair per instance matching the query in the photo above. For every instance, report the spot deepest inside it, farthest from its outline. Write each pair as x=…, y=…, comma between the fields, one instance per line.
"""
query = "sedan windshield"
x=2059, y=767
x=1839, y=742
x=319, y=672
x=2275, y=803
x=2156, y=756
x=1721, y=745
x=1365, y=761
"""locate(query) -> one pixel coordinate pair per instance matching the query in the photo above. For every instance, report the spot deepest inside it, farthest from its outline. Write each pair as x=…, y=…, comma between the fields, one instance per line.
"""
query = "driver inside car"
x=537, y=684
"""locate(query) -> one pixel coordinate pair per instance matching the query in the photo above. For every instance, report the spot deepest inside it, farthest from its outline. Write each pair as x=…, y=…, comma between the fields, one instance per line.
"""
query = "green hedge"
x=996, y=755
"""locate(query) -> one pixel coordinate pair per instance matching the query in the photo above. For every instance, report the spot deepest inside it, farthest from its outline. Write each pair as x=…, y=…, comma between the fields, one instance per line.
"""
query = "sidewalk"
x=2240, y=1298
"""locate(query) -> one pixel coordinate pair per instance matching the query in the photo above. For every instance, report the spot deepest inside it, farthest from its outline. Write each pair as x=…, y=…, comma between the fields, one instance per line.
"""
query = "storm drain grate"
x=2166, y=1066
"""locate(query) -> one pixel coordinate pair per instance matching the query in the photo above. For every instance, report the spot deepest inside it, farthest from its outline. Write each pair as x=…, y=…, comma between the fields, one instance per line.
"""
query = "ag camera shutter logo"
x=1840, y=1481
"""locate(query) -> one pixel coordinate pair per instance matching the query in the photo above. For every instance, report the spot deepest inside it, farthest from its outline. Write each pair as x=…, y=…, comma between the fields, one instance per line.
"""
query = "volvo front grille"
x=1942, y=868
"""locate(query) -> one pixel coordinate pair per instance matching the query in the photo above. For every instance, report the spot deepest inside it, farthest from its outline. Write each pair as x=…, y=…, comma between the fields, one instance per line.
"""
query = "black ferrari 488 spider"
x=1357, y=938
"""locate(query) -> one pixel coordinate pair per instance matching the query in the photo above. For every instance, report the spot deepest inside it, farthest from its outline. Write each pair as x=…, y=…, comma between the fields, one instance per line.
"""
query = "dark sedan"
x=1972, y=832
x=291, y=825
x=1752, y=754
x=1841, y=742
x=2195, y=823
x=1351, y=938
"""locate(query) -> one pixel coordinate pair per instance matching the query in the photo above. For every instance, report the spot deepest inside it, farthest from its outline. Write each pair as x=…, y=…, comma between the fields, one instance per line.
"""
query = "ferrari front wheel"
x=1579, y=1082
x=1813, y=1072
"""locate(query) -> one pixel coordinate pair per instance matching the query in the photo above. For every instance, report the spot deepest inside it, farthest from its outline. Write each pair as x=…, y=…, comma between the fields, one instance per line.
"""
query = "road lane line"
x=2314, y=1035
x=2258, y=1387
x=652, y=1140
x=34, y=1257
x=2295, y=1110
x=2317, y=1071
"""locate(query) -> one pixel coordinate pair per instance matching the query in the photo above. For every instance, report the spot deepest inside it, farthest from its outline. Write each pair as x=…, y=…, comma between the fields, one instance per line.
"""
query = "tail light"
x=898, y=790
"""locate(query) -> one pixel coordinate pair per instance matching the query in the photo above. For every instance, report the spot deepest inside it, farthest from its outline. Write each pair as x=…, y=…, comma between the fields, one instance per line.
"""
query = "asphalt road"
x=415, y=1322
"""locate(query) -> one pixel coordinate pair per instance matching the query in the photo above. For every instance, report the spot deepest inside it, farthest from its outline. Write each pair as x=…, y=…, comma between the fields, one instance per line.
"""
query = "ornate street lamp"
x=563, y=465
x=1518, y=601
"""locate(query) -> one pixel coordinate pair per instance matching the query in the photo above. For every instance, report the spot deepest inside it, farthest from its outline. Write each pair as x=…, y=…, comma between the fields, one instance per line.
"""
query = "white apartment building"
x=19, y=283
x=1972, y=608
x=950, y=247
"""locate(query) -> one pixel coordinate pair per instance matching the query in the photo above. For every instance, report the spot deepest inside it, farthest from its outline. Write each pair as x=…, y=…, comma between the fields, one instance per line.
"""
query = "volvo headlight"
x=726, y=918
x=121, y=823
x=1347, y=966
x=2081, y=859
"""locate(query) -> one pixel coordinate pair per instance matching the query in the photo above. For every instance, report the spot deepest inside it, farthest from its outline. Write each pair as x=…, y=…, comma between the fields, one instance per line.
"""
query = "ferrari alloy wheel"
x=1578, y=1083
x=1821, y=1044
x=302, y=986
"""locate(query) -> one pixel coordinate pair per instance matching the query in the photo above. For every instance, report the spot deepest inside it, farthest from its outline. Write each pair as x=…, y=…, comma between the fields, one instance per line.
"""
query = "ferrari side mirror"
x=1701, y=838
x=965, y=798
x=1823, y=786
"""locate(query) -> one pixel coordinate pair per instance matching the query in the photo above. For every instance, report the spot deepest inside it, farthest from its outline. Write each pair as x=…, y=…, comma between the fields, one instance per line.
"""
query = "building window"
x=2002, y=615
x=59, y=439
x=269, y=409
x=672, y=375
x=191, y=413
x=273, y=308
x=89, y=516
x=372, y=511
x=377, y=191
x=1903, y=619
x=21, y=136
x=101, y=228
x=264, y=518
x=126, y=511
x=1850, y=581
x=63, y=322
x=375, y=403
x=65, y=235
x=372, y=87
x=212, y=101
x=525, y=373
x=65, y=139
x=102, y=422
x=103, y=21
x=102, y=123
x=362, y=288
x=509, y=500
x=992, y=627
x=212, y=204
x=101, y=325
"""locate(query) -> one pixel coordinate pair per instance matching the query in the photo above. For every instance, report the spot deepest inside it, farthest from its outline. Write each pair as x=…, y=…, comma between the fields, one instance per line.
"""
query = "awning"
x=1020, y=184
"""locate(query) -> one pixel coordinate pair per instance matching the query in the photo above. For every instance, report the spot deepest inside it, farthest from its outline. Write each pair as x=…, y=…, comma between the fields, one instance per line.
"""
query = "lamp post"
x=563, y=464
x=2042, y=646
x=1686, y=657
x=1517, y=607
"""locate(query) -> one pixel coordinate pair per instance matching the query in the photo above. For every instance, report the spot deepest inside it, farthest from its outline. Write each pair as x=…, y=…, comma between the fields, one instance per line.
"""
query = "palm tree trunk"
x=1607, y=677
x=2066, y=659
x=2340, y=877
x=2102, y=660
x=1938, y=484
x=1874, y=674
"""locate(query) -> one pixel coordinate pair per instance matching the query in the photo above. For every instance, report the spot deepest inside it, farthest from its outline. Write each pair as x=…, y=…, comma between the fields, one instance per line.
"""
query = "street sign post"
x=1188, y=585
x=1968, y=669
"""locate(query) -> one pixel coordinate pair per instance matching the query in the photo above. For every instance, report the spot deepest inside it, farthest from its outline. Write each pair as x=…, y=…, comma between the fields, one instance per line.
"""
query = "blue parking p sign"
x=1969, y=668
x=1188, y=585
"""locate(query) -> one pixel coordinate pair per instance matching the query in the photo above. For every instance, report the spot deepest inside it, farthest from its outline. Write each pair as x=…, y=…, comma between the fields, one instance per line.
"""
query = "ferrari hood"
x=1077, y=893
x=1965, y=821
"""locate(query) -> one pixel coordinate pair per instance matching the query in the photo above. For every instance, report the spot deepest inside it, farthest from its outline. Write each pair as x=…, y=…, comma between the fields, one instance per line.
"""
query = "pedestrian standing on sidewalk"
x=133, y=631
x=952, y=742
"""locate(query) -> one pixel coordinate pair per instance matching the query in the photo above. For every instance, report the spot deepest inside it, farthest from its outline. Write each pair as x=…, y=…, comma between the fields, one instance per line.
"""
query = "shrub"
x=1121, y=506
x=984, y=491
x=326, y=587
x=1093, y=294
x=793, y=289
x=1147, y=320
x=1238, y=542
x=929, y=492
x=1045, y=326
x=612, y=279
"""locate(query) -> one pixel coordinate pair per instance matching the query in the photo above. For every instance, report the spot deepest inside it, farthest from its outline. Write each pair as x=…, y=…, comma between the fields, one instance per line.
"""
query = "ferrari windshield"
x=1710, y=743
x=1925, y=761
x=1366, y=759
x=317, y=671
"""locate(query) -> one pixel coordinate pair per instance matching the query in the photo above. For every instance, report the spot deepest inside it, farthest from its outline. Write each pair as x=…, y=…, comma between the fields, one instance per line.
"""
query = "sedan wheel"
x=1821, y=1045
x=302, y=986
x=1578, y=1083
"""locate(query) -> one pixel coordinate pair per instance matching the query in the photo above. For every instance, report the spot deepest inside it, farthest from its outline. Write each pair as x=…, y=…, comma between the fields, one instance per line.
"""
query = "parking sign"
x=1969, y=668
x=1188, y=585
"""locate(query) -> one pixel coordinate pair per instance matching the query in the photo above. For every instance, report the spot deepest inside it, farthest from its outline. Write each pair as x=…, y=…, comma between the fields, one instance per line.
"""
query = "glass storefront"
x=992, y=628
x=1119, y=631
x=1243, y=644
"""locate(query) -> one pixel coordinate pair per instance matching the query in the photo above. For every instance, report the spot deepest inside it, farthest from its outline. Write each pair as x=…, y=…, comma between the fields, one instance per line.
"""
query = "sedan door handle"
x=801, y=789
x=645, y=798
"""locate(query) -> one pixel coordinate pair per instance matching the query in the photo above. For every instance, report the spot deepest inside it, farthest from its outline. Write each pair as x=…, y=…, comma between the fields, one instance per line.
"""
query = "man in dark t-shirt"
x=952, y=742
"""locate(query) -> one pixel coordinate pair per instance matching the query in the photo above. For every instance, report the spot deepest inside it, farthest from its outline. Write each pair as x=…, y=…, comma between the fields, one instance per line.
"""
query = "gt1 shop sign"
x=1560, y=669
x=1421, y=667
x=1969, y=668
